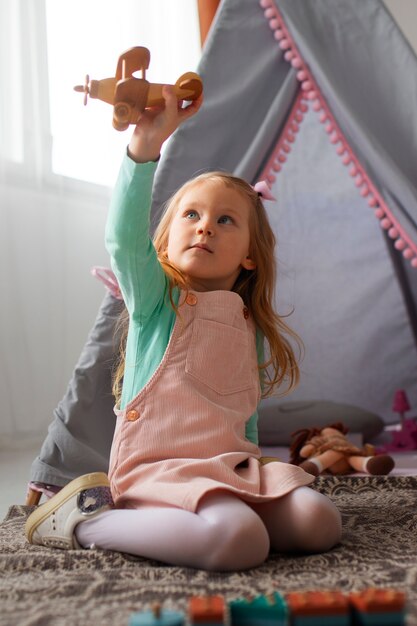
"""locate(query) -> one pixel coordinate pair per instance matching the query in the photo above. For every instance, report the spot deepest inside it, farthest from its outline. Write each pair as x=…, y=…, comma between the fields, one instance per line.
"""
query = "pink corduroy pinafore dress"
x=183, y=435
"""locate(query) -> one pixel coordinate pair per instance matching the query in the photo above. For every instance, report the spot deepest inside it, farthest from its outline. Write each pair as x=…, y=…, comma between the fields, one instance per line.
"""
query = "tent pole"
x=410, y=304
x=206, y=12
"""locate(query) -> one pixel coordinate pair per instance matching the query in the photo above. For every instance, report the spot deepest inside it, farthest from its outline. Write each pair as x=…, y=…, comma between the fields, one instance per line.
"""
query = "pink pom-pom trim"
x=288, y=136
x=400, y=244
x=311, y=93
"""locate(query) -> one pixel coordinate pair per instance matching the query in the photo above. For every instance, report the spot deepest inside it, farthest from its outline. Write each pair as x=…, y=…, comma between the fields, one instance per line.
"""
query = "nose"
x=205, y=228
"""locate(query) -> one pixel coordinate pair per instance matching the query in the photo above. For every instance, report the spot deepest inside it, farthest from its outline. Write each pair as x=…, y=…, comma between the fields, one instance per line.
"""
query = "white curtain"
x=58, y=162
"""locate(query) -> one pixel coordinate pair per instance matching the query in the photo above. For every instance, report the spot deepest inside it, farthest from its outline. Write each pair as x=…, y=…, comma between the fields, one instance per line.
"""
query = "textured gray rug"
x=51, y=587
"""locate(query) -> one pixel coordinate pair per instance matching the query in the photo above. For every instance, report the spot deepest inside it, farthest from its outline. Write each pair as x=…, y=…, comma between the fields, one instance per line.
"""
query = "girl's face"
x=209, y=236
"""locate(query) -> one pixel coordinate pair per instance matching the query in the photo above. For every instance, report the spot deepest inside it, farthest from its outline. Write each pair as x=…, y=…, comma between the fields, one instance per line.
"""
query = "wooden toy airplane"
x=129, y=95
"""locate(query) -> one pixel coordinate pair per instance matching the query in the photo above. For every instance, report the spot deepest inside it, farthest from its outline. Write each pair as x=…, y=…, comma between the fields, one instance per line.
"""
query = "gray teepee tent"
x=319, y=97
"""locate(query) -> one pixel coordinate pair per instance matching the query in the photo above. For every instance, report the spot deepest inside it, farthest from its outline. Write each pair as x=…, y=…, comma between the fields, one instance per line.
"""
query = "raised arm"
x=134, y=261
x=157, y=124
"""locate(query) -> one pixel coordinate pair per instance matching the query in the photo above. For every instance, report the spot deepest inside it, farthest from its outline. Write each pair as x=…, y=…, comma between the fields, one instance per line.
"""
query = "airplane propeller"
x=85, y=89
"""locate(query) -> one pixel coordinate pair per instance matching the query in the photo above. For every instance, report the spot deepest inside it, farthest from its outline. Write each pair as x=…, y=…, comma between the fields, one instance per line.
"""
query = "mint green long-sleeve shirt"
x=142, y=281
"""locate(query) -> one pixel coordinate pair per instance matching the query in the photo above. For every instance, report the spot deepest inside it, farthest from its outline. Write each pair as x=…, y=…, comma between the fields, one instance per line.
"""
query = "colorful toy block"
x=369, y=607
x=318, y=608
x=264, y=610
x=207, y=610
x=157, y=617
x=378, y=607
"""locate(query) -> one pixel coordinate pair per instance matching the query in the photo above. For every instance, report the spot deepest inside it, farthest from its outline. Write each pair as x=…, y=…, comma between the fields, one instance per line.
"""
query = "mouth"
x=202, y=246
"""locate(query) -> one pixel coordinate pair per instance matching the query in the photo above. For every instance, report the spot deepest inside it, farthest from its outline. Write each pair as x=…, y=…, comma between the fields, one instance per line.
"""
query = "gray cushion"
x=277, y=421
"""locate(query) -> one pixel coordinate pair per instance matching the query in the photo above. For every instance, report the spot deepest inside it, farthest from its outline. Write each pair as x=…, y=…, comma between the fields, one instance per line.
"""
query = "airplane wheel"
x=121, y=115
x=190, y=81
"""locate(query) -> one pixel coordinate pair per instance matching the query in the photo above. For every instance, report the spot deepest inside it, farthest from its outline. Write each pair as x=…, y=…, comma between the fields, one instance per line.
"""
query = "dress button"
x=191, y=299
x=132, y=415
x=245, y=312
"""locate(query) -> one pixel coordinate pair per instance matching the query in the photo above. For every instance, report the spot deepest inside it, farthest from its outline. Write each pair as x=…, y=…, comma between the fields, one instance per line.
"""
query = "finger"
x=192, y=108
x=168, y=93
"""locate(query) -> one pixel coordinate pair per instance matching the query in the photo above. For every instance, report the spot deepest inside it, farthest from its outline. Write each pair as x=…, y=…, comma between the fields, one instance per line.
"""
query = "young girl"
x=185, y=473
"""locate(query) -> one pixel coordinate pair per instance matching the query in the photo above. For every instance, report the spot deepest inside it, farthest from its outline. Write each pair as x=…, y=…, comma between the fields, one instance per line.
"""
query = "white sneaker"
x=53, y=523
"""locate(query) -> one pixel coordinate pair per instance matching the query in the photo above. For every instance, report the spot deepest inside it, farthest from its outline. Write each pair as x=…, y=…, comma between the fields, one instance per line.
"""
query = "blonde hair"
x=256, y=287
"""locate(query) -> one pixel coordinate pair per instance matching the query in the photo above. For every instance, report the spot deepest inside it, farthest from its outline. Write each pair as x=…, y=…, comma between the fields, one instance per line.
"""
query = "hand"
x=157, y=124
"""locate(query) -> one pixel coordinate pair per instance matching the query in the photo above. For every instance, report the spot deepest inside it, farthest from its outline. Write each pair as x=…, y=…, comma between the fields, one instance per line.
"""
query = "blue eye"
x=225, y=219
x=191, y=214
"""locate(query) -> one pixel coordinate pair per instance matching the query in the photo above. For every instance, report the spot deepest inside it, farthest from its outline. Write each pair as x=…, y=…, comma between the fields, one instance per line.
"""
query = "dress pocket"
x=219, y=357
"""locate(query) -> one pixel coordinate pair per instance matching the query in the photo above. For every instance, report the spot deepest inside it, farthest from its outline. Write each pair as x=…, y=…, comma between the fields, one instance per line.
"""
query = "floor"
x=14, y=472
x=15, y=467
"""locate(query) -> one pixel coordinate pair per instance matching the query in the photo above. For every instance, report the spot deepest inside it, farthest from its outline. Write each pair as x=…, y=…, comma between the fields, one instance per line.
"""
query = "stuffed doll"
x=327, y=449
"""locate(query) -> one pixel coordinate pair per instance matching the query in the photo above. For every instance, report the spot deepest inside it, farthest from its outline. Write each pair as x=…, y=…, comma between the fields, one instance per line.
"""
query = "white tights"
x=224, y=533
